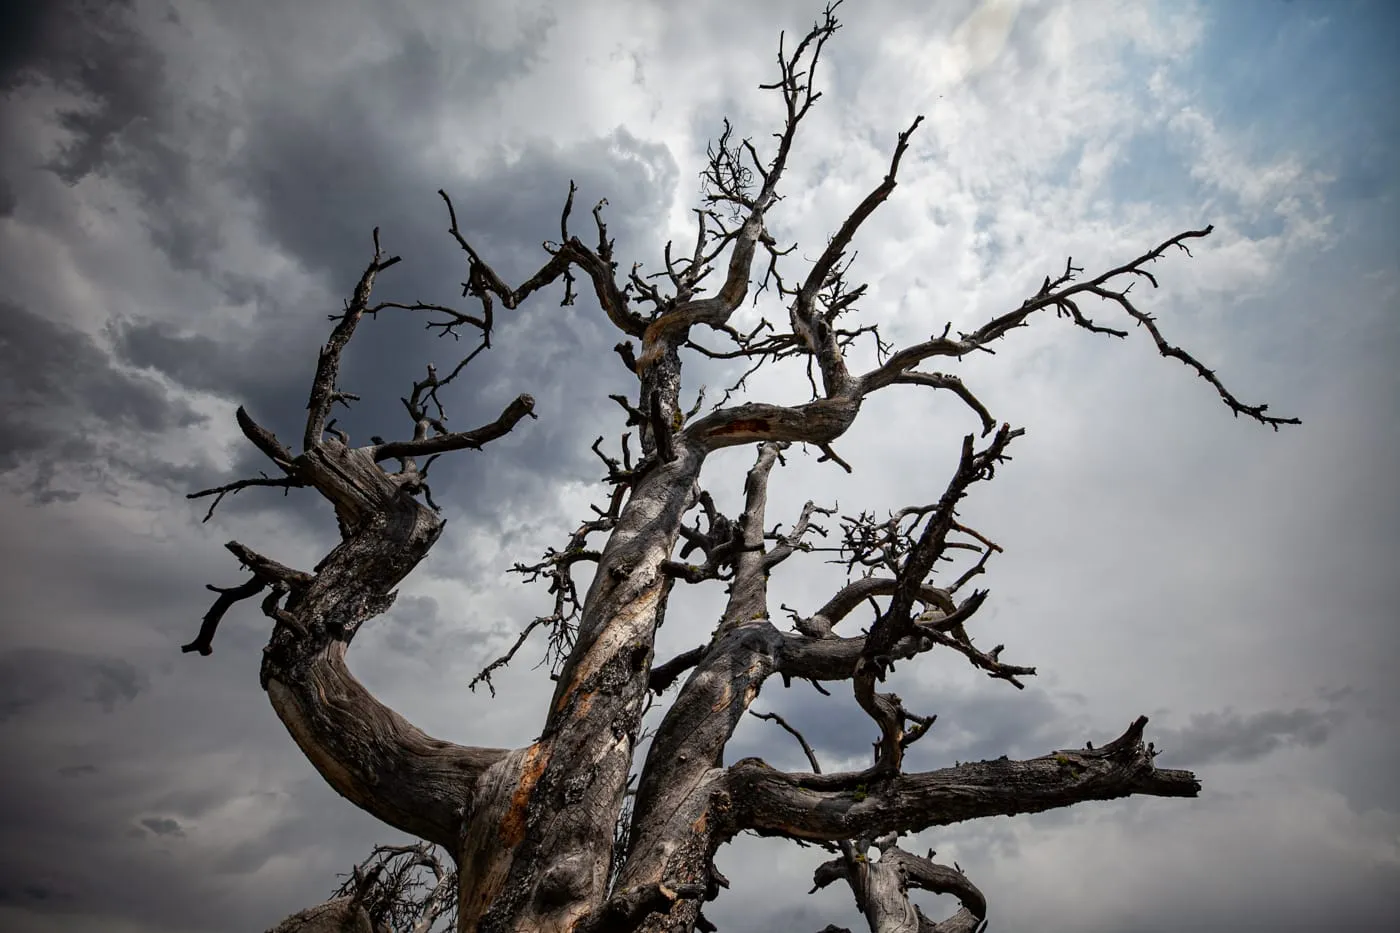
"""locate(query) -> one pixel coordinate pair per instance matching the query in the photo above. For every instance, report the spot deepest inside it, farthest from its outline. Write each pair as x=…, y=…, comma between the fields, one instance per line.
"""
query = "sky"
x=187, y=189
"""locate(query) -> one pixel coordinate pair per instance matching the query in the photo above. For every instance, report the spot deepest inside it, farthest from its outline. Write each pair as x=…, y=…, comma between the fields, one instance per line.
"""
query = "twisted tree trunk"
x=532, y=828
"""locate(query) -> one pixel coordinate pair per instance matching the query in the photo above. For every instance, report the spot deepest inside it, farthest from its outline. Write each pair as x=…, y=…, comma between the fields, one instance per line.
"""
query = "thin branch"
x=323, y=386
x=484, y=675
x=1060, y=295
x=218, y=492
x=483, y=282
x=802, y=740
x=522, y=406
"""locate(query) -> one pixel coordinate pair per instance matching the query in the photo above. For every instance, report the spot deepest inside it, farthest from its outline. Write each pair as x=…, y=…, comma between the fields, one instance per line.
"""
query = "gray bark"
x=531, y=829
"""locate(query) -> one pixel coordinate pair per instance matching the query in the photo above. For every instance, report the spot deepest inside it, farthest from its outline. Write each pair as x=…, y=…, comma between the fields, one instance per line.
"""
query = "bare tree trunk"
x=532, y=828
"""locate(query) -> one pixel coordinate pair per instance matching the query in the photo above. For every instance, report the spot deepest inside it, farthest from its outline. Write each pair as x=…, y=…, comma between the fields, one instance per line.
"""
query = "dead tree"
x=531, y=829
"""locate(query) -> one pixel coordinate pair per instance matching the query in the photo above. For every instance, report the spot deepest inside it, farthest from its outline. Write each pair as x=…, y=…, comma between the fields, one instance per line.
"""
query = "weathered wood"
x=535, y=831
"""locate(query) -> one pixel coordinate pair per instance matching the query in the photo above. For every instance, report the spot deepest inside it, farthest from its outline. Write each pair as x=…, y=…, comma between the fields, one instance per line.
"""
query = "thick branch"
x=375, y=758
x=748, y=592
x=664, y=675
x=263, y=439
x=204, y=641
x=365, y=751
x=818, y=422
x=843, y=806
x=882, y=890
x=671, y=839
x=853, y=594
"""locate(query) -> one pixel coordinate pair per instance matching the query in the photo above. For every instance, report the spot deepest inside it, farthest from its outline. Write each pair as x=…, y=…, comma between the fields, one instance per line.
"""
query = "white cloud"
x=1160, y=555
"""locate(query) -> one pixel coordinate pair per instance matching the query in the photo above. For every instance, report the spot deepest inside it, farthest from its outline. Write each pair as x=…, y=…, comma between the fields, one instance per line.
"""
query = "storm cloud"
x=188, y=190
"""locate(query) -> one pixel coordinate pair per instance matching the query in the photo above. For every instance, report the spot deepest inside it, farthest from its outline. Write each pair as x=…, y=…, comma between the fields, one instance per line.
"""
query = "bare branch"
x=820, y=657
x=483, y=282
x=557, y=568
x=953, y=383
x=1059, y=294
x=483, y=676
x=264, y=439
x=522, y=406
x=204, y=641
x=1257, y=412
x=404, y=887
x=664, y=675
x=845, y=806
x=793, y=541
x=323, y=386
x=802, y=740
x=727, y=181
x=919, y=561
x=218, y=492
x=882, y=889
x=813, y=328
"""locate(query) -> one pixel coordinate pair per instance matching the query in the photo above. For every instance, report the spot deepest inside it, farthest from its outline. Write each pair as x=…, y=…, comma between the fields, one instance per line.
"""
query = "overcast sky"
x=187, y=189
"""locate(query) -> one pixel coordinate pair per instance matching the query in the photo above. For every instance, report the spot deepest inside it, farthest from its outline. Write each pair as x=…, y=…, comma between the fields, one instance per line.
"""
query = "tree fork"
x=532, y=828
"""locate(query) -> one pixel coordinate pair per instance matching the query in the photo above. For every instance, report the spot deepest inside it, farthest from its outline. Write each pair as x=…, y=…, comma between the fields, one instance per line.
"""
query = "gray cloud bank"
x=188, y=189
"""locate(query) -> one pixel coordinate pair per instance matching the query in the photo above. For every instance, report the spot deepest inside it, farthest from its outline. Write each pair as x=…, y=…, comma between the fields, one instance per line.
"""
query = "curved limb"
x=882, y=889
x=367, y=752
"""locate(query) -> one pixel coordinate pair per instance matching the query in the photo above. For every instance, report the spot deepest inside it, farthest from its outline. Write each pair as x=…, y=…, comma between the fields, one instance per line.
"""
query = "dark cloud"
x=63, y=398
x=32, y=677
x=92, y=50
x=163, y=826
x=193, y=360
x=1231, y=737
x=320, y=185
x=159, y=851
x=33, y=893
x=415, y=625
x=37, y=36
x=145, y=787
x=49, y=366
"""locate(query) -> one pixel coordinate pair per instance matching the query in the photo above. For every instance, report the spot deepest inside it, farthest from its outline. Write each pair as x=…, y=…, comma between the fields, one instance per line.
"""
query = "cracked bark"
x=531, y=828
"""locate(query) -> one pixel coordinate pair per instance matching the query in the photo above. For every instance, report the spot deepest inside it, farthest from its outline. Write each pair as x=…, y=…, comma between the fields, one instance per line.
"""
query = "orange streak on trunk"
x=513, y=823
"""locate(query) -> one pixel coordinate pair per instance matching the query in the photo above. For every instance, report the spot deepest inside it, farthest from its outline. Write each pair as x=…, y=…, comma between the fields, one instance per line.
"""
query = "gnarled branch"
x=846, y=806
